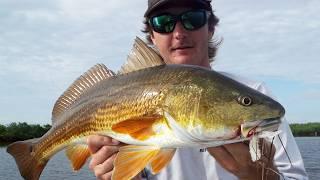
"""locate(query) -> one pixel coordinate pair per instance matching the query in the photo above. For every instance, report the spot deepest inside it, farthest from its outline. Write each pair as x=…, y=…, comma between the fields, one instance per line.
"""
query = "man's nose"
x=179, y=31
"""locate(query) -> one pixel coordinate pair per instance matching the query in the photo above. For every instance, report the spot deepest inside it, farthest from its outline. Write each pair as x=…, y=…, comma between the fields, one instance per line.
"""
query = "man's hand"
x=236, y=159
x=104, y=150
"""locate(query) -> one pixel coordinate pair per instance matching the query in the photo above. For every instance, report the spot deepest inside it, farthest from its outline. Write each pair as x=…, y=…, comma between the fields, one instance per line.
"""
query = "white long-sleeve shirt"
x=191, y=164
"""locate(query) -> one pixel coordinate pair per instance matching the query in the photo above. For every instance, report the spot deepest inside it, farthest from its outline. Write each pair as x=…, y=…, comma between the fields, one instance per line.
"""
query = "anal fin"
x=161, y=160
x=78, y=155
x=131, y=160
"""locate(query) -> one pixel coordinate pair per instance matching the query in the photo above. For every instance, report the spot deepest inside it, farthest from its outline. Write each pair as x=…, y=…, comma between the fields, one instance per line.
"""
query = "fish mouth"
x=251, y=128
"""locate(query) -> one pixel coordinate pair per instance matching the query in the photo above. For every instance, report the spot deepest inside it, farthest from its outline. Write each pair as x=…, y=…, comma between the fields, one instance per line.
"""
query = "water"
x=59, y=167
x=310, y=148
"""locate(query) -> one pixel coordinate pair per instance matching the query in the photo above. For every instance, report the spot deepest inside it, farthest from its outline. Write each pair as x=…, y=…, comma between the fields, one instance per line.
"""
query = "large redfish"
x=153, y=109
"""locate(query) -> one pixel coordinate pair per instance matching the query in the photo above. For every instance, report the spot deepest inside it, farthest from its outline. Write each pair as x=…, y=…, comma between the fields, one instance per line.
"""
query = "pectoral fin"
x=77, y=154
x=161, y=160
x=131, y=160
x=138, y=128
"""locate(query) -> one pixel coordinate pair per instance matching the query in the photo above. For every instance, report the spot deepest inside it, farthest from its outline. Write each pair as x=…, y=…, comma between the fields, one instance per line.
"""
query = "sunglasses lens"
x=193, y=20
x=163, y=23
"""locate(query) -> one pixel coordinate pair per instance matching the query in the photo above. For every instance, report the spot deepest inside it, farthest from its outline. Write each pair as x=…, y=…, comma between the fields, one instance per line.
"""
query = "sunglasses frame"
x=176, y=18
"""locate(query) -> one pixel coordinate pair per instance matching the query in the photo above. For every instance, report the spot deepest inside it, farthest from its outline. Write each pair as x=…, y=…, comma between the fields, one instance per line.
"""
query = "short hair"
x=212, y=43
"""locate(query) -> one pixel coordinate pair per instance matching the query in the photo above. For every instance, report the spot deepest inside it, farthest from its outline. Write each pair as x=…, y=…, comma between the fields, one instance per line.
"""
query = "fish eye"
x=245, y=100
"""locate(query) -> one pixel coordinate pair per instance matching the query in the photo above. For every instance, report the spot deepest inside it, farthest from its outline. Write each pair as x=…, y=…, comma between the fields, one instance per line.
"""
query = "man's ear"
x=152, y=39
x=210, y=33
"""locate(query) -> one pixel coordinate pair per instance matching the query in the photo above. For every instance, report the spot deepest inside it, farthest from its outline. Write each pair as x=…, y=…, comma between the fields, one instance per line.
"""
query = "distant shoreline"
x=305, y=130
x=3, y=144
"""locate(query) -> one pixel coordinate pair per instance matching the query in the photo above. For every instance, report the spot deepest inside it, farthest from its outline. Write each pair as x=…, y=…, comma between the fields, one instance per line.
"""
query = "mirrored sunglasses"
x=191, y=20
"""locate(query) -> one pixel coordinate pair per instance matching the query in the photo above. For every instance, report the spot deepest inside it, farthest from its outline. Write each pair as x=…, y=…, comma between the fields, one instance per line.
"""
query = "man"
x=181, y=30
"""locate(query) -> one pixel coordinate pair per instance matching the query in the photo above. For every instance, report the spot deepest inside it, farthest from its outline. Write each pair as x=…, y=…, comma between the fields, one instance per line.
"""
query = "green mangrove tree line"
x=307, y=129
x=21, y=131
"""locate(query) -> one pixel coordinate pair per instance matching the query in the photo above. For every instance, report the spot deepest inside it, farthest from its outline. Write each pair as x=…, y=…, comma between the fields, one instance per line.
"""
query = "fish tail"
x=30, y=168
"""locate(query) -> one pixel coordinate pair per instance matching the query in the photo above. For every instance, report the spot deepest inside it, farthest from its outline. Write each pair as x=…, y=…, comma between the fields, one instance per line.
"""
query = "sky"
x=46, y=45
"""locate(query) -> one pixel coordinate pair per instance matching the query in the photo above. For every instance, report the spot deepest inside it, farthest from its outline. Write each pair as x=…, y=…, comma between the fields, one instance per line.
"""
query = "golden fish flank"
x=155, y=108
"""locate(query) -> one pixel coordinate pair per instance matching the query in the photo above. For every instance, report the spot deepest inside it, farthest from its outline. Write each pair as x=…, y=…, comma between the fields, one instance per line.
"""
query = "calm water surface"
x=310, y=148
x=59, y=167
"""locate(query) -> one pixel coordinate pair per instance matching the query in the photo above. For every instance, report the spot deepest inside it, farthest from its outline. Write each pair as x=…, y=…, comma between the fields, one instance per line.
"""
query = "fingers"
x=105, y=168
x=233, y=157
x=267, y=150
x=106, y=176
x=103, y=152
x=239, y=151
x=236, y=158
x=225, y=159
x=95, y=142
x=103, y=155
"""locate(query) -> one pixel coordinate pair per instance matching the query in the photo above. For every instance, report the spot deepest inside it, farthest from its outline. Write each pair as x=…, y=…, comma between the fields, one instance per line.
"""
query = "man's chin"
x=183, y=61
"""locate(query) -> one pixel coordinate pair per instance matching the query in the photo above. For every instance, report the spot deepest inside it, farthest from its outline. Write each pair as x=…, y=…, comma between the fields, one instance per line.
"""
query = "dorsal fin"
x=141, y=56
x=94, y=75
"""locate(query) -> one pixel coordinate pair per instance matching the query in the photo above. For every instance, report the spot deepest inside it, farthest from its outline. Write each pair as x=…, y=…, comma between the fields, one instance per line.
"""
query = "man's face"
x=183, y=46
